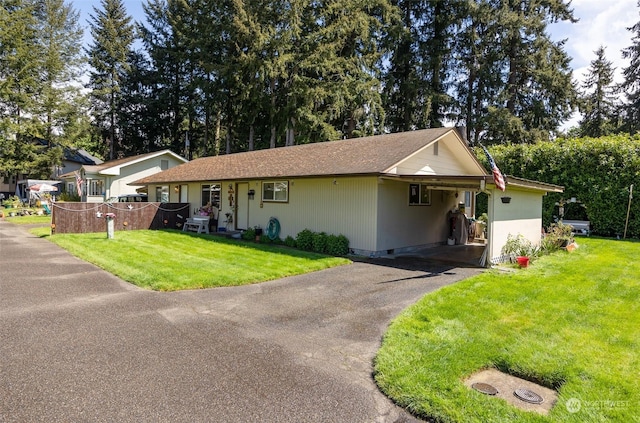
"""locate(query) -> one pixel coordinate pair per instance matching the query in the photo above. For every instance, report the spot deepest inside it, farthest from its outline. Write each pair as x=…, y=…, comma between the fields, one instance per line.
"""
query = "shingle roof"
x=80, y=156
x=356, y=156
x=119, y=162
x=124, y=160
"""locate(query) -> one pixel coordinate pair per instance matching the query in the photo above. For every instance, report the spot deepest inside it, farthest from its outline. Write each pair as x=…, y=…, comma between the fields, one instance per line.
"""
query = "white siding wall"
x=345, y=207
x=523, y=215
x=116, y=185
x=426, y=163
x=402, y=227
x=452, y=158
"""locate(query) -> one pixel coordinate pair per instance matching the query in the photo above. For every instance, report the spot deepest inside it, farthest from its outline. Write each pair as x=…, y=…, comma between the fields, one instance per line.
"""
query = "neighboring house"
x=386, y=194
x=111, y=179
x=72, y=159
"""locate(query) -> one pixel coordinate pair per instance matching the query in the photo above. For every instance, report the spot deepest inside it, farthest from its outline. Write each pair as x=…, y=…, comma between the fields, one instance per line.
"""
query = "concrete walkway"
x=80, y=345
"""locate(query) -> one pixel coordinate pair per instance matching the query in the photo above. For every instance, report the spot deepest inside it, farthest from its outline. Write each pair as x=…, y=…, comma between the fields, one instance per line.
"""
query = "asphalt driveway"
x=78, y=344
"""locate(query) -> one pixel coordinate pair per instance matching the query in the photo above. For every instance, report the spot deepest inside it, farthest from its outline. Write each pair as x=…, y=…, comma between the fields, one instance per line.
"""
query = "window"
x=71, y=188
x=164, y=164
x=162, y=194
x=275, y=191
x=95, y=187
x=435, y=148
x=210, y=194
x=419, y=195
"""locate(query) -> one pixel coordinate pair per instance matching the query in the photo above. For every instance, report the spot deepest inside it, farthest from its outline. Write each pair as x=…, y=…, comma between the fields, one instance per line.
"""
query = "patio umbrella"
x=42, y=188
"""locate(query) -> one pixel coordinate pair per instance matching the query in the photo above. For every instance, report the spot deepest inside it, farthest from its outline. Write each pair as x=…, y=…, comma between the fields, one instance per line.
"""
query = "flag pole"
x=626, y=223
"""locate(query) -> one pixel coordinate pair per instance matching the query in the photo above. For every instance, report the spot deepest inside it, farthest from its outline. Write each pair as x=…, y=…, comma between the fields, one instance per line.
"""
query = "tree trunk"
x=272, y=113
x=216, y=139
x=251, y=134
x=272, y=140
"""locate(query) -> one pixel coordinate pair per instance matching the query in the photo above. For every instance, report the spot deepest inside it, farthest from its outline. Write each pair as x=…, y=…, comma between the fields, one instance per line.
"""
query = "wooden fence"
x=90, y=217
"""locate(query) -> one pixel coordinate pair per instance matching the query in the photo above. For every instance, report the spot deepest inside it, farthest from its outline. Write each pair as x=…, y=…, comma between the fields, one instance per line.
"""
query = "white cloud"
x=601, y=23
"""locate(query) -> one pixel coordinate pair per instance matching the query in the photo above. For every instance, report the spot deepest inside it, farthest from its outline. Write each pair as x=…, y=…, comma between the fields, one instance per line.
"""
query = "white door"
x=242, y=202
x=184, y=193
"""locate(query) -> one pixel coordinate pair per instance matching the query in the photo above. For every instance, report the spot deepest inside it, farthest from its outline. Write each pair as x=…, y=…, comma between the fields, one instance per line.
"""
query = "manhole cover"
x=528, y=396
x=485, y=388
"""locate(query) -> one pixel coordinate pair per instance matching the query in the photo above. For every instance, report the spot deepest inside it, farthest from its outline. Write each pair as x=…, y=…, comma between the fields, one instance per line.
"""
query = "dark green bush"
x=290, y=241
x=337, y=245
x=320, y=242
x=249, y=234
x=596, y=171
x=267, y=240
x=304, y=240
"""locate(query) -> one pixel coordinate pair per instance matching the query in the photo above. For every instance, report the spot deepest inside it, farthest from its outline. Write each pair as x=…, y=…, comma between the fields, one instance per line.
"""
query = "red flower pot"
x=523, y=261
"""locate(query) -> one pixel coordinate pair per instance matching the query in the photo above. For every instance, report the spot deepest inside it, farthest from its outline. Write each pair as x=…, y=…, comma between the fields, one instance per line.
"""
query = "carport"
x=515, y=211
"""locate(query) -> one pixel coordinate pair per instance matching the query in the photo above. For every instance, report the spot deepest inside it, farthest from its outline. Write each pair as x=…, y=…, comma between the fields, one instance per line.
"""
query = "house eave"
x=474, y=182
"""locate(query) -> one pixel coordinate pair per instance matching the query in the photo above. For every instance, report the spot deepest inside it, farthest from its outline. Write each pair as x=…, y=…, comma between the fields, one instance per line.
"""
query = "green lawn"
x=570, y=321
x=29, y=220
x=173, y=260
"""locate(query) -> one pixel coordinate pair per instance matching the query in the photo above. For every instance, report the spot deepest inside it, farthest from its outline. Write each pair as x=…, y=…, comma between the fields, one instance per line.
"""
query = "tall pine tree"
x=20, y=86
x=113, y=36
x=598, y=101
x=418, y=81
x=631, y=83
x=515, y=81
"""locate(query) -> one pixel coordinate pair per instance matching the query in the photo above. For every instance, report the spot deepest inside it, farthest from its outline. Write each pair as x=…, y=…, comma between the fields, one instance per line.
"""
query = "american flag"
x=498, y=179
x=78, y=182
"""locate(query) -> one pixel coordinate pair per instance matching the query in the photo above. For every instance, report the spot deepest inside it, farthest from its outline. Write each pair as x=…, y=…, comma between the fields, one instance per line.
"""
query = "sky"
x=600, y=23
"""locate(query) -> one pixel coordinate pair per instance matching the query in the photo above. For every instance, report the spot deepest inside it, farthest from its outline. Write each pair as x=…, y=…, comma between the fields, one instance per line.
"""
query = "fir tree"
x=519, y=86
x=631, y=83
x=598, y=101
x=418, y=81
x=19, y=87
x=60, y=39
x=113, y=35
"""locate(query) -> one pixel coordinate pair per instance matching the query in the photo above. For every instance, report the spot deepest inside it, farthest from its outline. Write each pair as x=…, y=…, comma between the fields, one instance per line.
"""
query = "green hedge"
x=597, y=172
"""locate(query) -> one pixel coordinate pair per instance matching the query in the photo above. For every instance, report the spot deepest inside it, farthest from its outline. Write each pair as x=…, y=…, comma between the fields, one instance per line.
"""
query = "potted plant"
x=520, y=250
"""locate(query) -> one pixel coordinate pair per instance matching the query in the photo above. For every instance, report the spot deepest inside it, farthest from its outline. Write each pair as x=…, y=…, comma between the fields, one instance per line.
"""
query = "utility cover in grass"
x=507, y=385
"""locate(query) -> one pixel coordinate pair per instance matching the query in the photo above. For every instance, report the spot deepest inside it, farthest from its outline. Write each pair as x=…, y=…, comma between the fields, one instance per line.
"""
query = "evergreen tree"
x=19, y=87
x=598, y=102
x=538, y=94
x=418, y=81
x=141, y=115
x=168, y=71
x=479, y=66
x=631, y=83
x=519, y=86
x=404, y=92
x=343, y=66
x=60, y=39
x=113, y=35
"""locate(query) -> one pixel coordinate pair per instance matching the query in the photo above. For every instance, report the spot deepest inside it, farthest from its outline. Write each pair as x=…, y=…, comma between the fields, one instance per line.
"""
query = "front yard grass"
x=173, y=260
x=29, y=220
x=571, y=321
